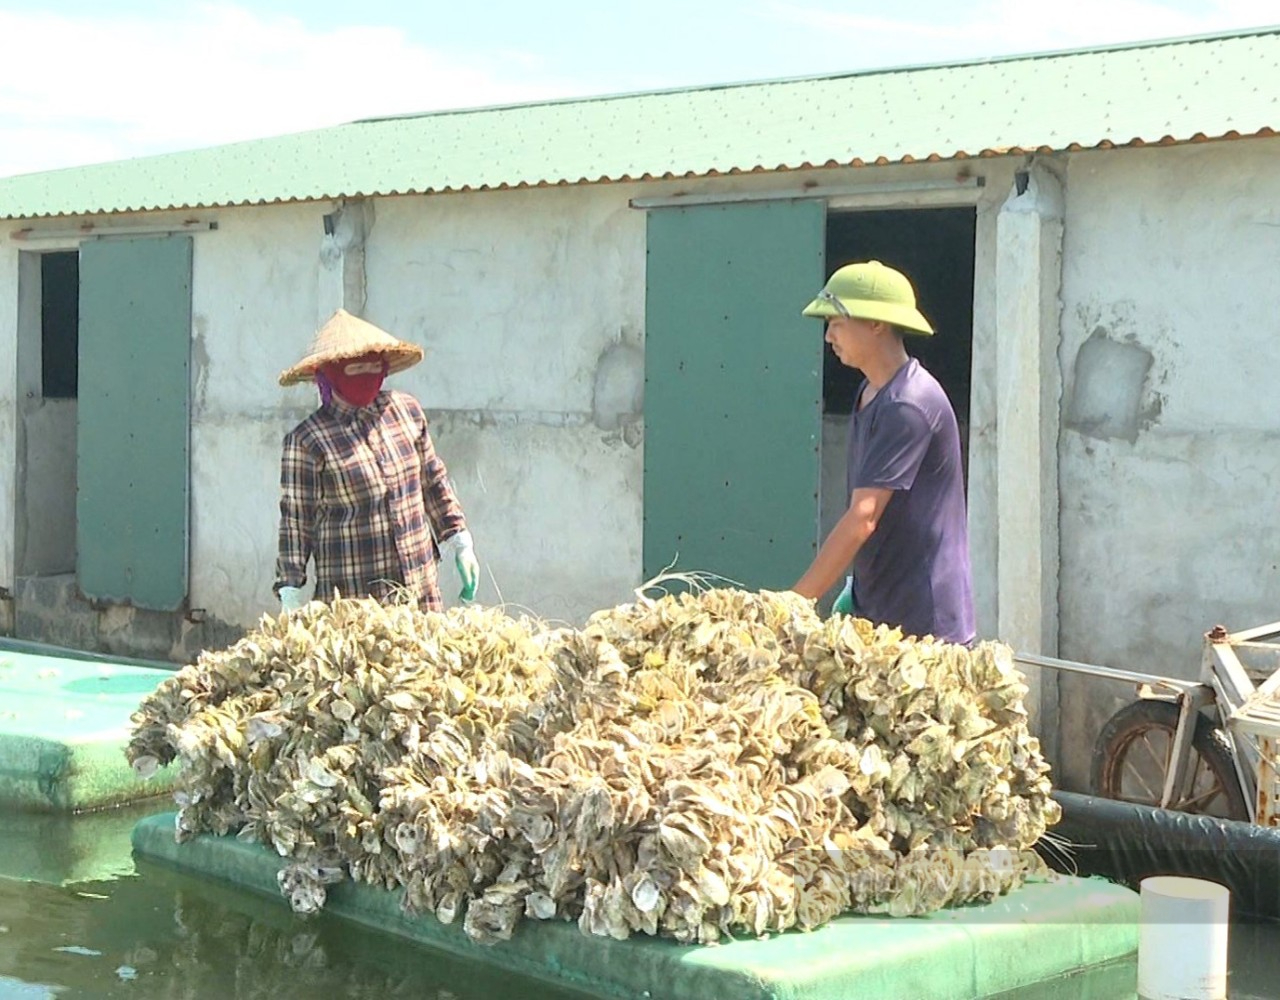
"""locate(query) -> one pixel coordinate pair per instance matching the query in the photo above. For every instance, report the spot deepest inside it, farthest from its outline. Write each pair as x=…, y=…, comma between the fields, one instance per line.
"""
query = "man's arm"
x=894, y=454
x=848, y=536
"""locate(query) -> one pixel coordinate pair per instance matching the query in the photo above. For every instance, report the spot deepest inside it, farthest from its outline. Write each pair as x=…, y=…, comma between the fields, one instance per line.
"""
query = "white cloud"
x=86, y=89
x=1008, y=27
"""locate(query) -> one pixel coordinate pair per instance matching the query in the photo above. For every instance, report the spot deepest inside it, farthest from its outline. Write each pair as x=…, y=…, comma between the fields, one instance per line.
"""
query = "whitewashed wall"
x=1170, y=441
x=530, y=305
x=8, y=408
x=253, y=307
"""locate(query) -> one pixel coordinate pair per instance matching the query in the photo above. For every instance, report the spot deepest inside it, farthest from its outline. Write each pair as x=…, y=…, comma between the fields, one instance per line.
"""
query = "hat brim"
x=906, y=317
x=399, y=357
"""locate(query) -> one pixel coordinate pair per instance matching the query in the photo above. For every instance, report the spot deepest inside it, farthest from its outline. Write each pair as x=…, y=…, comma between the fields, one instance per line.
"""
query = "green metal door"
x=733, y=391
x=133, y=419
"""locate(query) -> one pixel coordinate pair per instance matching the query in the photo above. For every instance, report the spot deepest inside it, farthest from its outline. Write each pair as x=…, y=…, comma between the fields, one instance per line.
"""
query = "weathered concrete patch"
x=201, y=364
x=50, y=610
x=618, y=393
x=45, y=536
x=1110, y=379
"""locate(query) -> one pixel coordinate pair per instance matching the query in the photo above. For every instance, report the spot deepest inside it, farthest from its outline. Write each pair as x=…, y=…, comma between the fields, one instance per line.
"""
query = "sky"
x=84, y=81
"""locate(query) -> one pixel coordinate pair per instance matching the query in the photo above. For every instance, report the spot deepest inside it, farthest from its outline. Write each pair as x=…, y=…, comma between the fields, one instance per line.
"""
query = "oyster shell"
x=698, y=765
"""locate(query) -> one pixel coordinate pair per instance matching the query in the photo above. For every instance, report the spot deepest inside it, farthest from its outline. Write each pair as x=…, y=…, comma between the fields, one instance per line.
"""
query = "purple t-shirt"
x=914, y=569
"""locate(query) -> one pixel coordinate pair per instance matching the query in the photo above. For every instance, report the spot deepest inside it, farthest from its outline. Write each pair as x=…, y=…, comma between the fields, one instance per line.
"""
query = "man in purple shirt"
x=905, y=531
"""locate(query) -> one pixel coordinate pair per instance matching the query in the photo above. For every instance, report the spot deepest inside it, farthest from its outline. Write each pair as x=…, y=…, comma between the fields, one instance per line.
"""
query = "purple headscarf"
x=325, y=387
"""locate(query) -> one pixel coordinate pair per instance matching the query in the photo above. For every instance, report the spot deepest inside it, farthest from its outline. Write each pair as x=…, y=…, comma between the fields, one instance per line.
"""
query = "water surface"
x=80, y=918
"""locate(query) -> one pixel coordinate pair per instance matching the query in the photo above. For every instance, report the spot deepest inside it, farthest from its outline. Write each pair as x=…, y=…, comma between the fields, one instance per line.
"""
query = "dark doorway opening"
x=935, y=248
x=59, y=325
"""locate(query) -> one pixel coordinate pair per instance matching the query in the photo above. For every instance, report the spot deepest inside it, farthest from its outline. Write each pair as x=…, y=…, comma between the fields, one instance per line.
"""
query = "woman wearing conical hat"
x=362, y=491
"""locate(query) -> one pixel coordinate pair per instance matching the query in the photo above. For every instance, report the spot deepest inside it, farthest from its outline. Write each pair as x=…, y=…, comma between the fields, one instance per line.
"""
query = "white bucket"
x=1182, y=939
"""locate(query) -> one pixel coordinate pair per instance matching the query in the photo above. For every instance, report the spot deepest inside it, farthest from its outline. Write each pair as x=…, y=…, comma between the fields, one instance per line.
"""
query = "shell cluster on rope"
x=701, y=765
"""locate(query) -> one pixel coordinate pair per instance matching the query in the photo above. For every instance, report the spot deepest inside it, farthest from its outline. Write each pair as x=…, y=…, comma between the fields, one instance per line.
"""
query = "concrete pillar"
x=342, y=270
x=984, y=532
x=1028, y=400
x=22, y=347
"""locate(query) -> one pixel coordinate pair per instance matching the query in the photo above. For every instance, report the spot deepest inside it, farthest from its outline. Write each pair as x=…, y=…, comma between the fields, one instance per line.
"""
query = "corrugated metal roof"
x=1163, y=92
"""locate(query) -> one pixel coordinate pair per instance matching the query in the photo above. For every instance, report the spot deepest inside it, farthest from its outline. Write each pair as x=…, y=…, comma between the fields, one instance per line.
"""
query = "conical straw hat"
x=346, y=336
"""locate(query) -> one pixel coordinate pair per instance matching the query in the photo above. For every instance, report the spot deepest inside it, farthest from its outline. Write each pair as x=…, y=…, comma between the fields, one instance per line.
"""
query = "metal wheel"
x=1131, y=759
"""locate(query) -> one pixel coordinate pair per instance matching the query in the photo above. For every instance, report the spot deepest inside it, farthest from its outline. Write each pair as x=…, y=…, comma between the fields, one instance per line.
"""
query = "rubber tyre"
x=1132, y=721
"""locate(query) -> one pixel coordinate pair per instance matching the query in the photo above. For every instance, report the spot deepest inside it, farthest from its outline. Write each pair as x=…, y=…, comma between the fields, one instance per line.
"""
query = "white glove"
x=291, y=599
x=463, y=551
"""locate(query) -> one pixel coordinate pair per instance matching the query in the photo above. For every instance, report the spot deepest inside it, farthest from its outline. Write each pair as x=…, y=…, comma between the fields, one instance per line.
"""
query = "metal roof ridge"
x=1153, y=43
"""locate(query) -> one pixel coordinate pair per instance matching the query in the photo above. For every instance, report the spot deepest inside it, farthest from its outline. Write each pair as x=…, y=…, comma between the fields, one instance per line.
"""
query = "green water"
x=100, y=925
x=80, y=918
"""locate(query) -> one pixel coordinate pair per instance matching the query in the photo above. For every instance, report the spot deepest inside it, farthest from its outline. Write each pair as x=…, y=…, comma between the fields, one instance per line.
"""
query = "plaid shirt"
x=363, y=492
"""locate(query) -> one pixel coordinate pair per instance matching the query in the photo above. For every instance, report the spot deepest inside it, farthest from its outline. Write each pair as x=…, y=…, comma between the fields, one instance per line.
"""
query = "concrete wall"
x=253, y=309
x=531, y=307
x=253, y=302
x=1170, y=439
x=8, y=414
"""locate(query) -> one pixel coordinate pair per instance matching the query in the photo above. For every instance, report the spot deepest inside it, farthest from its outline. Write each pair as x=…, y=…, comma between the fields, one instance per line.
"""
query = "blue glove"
x=844, y=603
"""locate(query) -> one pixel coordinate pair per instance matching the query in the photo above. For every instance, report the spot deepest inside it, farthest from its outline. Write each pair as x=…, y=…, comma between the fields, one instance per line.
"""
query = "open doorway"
x=48, y=375
x=935, y=248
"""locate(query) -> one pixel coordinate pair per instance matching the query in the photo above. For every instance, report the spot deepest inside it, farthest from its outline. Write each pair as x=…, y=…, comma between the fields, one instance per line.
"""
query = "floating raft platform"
x=64, y=724
x=1032, y=937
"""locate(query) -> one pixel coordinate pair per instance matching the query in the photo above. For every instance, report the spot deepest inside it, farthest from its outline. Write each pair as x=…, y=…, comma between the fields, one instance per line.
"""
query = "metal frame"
x=680, y=199
x=1190, y=696
x=1105, y=673
x=1250, y=714
x=1252, y=722
x=87, y=230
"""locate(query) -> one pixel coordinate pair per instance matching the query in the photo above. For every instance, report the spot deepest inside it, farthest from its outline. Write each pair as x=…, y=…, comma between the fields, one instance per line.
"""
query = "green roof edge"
x=1153, y=43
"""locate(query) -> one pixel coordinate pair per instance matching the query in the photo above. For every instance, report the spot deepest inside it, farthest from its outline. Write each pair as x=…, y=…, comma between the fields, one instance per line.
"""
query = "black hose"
x=1126, y=843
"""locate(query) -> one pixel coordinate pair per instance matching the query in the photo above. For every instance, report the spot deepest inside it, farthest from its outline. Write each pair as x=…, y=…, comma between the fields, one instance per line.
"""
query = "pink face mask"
x=357, y=380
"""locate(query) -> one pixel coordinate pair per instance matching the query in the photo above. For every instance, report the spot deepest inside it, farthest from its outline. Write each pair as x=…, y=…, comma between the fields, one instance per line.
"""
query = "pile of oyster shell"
x=700, y=765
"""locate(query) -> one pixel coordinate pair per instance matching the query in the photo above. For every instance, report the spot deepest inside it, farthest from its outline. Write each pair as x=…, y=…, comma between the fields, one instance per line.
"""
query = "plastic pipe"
x=1182, y=939
x=1127, y=842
